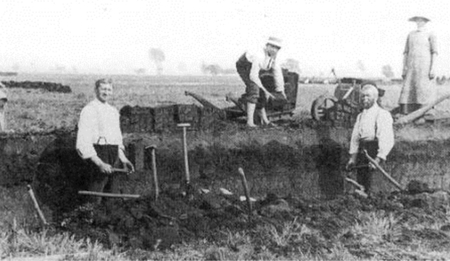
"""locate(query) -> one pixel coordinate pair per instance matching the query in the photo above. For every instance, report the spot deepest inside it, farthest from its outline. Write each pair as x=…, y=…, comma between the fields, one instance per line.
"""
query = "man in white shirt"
x=373, y=131
x=99, y=139
x=250, y=66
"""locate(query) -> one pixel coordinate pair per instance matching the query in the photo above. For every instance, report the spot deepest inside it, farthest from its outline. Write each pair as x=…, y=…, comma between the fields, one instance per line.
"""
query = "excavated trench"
x=292, y=171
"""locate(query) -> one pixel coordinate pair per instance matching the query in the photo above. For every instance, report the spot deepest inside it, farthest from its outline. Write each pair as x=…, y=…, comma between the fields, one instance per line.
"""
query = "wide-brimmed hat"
x=416, y=18
x=274, y=41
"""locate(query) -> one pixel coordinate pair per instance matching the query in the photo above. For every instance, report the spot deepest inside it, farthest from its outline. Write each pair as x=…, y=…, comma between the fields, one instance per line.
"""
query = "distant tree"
x=292, y=65
x=157, y=56
x=387, y=71
x=213, y=69
x=60, y=68
x=140, y=71
x=229, y=71
x=360, y=65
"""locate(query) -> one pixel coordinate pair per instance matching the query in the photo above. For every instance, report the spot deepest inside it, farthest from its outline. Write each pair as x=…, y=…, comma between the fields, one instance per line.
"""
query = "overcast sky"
x=105, y=36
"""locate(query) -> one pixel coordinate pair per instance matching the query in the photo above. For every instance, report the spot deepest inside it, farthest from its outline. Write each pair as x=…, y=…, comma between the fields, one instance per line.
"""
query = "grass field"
x=365, y=234
x=34, y=110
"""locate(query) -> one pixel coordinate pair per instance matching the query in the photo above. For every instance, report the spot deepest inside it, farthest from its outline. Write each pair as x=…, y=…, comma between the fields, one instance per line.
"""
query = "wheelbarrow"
x=274, y=107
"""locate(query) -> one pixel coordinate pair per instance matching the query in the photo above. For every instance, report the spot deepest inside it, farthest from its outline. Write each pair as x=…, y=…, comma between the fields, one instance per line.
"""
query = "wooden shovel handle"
x=246, y=191
x=393, y=181
x=108, y=195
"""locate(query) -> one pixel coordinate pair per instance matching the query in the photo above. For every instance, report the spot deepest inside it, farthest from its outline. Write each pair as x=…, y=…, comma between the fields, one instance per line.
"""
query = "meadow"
x=363, y=229
x=38, y=110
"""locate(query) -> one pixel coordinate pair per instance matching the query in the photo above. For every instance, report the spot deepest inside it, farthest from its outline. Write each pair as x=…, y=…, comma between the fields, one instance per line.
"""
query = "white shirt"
x=372, y=123
x=262, y=61
x=97, y=120
x=2, y=121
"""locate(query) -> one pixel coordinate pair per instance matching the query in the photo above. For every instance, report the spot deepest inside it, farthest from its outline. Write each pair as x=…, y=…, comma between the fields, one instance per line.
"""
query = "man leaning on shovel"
x=99, y=140
x=373, y=132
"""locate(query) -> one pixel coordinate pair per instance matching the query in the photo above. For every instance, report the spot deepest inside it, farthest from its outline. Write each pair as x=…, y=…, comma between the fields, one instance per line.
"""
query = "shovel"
x=359, y=189
x=385, y=174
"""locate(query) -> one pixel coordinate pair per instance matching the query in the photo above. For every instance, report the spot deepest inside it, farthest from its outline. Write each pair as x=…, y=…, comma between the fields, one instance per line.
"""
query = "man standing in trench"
x=250, y=66
x=373, y=131
x=99, y=140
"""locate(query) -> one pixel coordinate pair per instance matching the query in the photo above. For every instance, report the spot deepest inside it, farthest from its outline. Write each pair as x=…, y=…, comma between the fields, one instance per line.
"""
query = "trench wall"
x=303, y=161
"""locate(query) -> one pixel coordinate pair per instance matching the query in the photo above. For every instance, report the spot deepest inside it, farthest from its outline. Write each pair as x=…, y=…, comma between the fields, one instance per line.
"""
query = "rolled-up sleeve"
x=385, y=134
x=86, y=128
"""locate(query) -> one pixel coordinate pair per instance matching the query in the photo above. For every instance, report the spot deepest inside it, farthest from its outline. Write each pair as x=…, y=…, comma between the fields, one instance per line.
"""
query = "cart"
x=275, y=108
x=342, y=109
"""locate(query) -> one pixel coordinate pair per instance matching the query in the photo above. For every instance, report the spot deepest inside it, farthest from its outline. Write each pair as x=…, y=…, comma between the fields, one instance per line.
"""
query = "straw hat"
x=274, y=41
x=416, y=18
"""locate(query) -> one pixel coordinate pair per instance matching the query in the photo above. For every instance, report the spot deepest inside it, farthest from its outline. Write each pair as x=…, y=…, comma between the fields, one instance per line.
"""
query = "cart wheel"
x=321, y=105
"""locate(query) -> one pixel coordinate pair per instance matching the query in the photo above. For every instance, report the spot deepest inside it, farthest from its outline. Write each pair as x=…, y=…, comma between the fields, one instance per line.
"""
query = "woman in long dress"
x=418, y=67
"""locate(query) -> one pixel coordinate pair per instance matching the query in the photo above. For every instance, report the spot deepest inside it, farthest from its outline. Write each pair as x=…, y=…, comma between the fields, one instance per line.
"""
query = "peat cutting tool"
x=107, y=195
x=185, y=152
x=246, y=191
x=359, y=189
x=36, y=205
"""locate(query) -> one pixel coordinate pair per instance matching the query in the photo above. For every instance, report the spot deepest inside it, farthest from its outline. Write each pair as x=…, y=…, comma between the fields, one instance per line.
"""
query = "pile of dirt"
x=48, y=86
x=182, y=214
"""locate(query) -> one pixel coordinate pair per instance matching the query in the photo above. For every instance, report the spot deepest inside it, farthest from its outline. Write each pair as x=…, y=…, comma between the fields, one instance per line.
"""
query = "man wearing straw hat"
x=419, y=59
x=3, y=101
x=250, y=66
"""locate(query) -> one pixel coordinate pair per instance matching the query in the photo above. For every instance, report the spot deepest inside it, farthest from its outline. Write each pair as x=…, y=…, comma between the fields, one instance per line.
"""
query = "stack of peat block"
x=49, y=86
x=165, y=118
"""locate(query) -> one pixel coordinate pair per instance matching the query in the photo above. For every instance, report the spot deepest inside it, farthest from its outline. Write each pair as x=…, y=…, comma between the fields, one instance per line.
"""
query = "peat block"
x=49, y=86
x=163, y=119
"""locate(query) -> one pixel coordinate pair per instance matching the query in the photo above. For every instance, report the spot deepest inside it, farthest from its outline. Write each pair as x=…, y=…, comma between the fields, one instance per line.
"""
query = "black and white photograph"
x=224, y=130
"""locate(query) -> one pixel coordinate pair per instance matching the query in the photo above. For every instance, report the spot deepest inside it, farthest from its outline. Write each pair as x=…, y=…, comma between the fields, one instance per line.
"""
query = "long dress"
x=417, y=89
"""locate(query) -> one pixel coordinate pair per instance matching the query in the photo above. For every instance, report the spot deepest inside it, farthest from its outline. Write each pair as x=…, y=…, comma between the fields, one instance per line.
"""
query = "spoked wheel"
x=321, y=105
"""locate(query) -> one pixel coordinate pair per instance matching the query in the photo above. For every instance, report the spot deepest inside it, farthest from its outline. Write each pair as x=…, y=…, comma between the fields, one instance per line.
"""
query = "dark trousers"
x=364, y=174
x=101, y=182
x=253, y=94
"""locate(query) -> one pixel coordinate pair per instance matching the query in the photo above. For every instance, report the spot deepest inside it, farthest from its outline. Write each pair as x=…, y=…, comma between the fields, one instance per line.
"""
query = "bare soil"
x=184, y=214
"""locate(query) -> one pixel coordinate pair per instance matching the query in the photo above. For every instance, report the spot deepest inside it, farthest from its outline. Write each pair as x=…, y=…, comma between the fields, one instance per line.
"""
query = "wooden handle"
x=108, y=195
x=354, y=183
x=185, y=153
x=246, y=191
x=36, y=205
x=155, y=175
x=393, y=181
x=420, y=112
x=120, y=170
x=182, y=125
